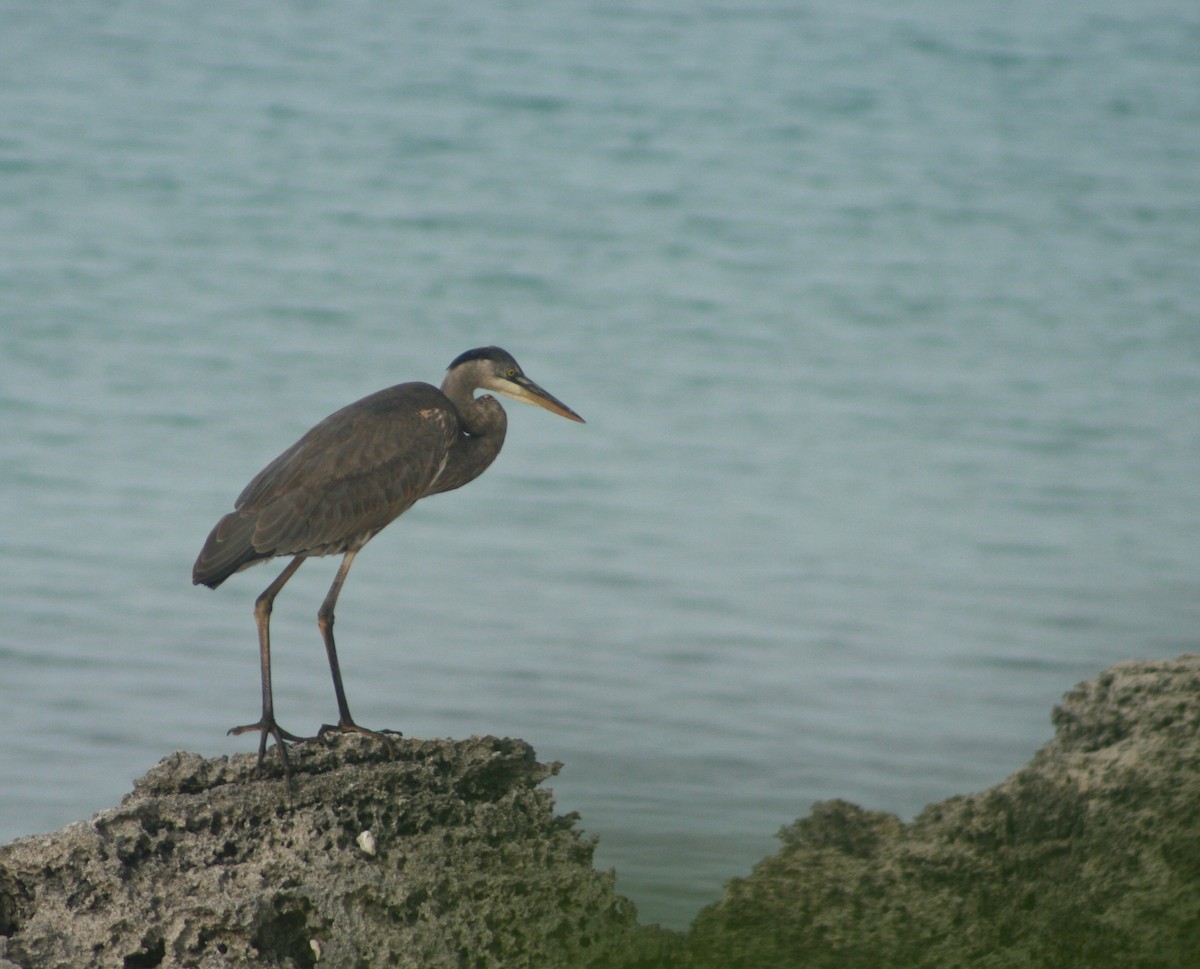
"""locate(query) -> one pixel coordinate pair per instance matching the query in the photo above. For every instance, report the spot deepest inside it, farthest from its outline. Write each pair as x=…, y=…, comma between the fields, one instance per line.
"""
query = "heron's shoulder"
x=403, y=412
x=410, y=401
x=413, y=392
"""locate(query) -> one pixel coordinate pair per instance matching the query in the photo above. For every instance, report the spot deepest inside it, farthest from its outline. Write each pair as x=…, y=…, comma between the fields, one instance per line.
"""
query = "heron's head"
x=490, y=368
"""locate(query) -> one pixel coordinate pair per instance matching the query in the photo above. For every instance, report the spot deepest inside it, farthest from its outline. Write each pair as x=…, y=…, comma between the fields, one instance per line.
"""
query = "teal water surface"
x=885, y=319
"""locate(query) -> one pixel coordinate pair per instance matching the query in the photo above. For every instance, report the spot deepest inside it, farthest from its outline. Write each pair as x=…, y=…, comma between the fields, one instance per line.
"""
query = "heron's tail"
x=229, y=548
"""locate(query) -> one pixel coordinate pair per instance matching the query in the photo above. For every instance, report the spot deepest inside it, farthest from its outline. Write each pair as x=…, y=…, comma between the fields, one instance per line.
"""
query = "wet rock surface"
x=449, y=854
x=1087, y=857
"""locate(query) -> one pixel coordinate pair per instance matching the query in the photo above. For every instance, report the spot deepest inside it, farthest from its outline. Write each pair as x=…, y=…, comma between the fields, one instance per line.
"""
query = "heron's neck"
x=460, y=386
x=483, y=417
x=479, y=417
x=484, y=425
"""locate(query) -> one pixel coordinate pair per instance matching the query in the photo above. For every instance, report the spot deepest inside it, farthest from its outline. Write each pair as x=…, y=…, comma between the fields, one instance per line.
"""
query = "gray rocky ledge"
x=450, y=854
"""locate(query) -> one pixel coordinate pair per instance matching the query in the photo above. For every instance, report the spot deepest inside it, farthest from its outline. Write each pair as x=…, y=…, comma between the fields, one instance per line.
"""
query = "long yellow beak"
x=525, y=390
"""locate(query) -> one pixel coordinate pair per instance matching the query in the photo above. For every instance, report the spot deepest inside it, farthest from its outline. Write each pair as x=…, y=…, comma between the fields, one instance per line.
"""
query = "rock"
x=447, y=855
x=451, y=855
x=1087, y=857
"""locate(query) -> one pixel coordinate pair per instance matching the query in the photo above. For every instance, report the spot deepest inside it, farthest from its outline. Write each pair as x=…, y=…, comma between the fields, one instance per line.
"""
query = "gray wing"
x=342, y=482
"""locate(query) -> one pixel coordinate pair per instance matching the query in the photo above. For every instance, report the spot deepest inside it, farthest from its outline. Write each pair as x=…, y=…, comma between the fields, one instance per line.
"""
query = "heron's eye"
x=511, y=373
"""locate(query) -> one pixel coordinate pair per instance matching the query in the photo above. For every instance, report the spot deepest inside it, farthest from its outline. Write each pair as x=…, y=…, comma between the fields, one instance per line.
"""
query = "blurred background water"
x=885, y=318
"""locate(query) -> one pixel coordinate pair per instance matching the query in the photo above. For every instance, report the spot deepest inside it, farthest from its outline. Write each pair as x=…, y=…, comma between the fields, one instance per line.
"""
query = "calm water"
x=885, y=319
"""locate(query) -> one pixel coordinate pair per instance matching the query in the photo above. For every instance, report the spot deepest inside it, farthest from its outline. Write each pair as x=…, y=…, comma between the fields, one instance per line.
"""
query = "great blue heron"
x=350, y=476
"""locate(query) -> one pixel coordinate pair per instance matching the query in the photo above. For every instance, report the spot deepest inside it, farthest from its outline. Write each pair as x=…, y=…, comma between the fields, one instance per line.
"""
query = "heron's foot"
x=267, y=727
x=271, y=728
x=349, y=726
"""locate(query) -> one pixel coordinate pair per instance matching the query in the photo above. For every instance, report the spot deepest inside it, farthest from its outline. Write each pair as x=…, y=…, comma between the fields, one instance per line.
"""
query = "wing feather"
x=343, y=481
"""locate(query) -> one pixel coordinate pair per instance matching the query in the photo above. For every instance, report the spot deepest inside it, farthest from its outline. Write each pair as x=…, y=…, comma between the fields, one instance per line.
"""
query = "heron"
x=346, y=480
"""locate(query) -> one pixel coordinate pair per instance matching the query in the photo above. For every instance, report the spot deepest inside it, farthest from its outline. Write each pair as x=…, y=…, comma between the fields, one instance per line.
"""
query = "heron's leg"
x=262, y=617
x=325, y=621
x=325, y=617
